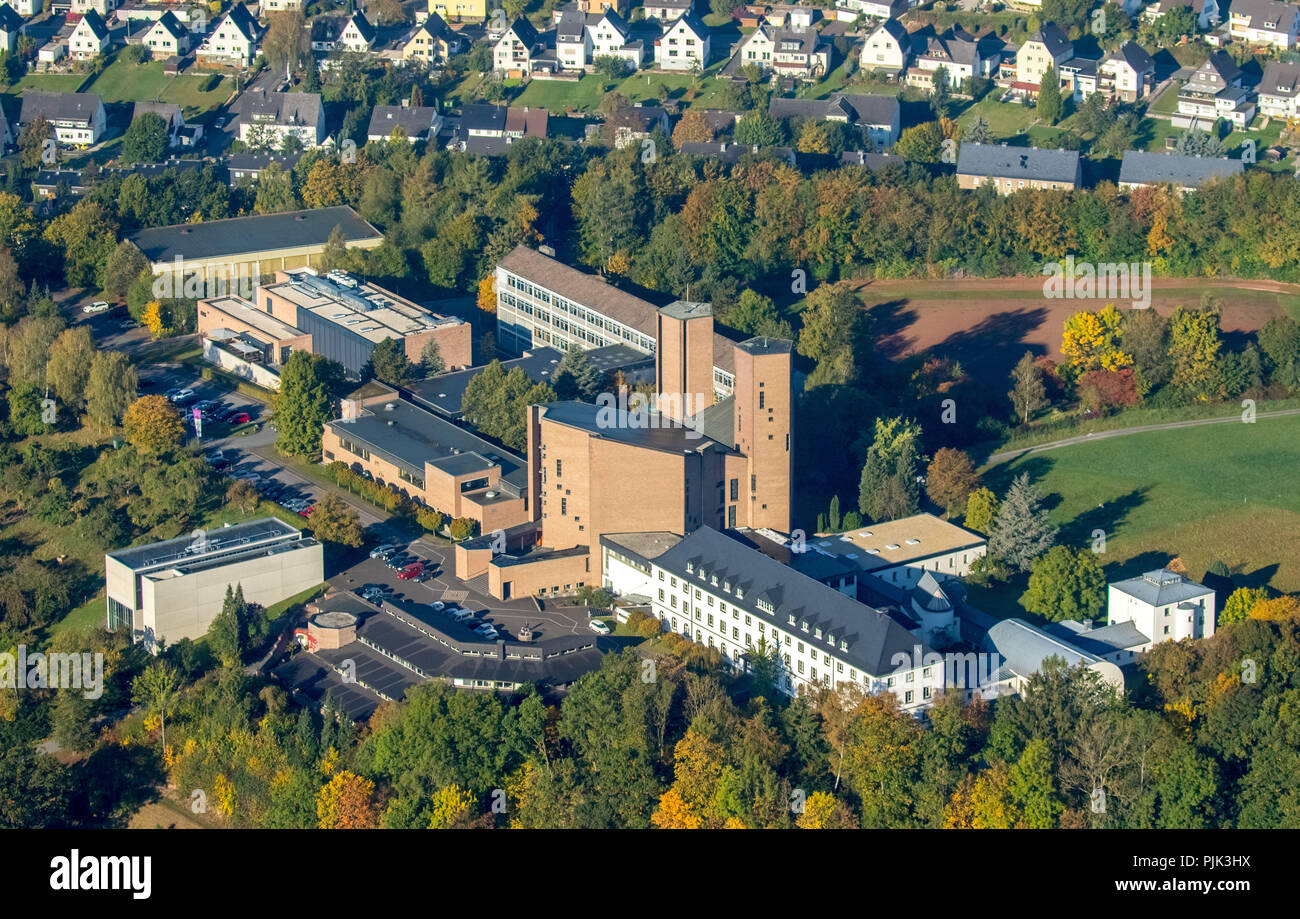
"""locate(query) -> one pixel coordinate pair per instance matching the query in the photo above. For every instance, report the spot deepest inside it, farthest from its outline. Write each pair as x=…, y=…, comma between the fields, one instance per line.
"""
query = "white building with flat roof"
x=170, y=590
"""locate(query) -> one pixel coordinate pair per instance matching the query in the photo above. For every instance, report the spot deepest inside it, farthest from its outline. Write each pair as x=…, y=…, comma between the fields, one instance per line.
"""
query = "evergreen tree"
x=575, y=377
x=1049, y=96
x=1022, y=530
x=834, y=518
x=888, y=487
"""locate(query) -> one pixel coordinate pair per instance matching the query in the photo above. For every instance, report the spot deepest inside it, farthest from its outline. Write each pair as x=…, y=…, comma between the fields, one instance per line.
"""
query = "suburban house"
x=488, y=130
x=573, y=44
x=1162, y=606
x=1047, y=47
x=167, y=37
x=89, y=37
x=358, y=36
x=1207, y=11
x=633, y=123
x=684, y=45
x=458, y=10
x=611, y=36
x=850, y=10
x=1010, y=169
x=419, y=122
x=234, y=41
x=267, y=118
x=169, y=112
x=1185, y=173
x=799, y=51
x=887, y=47
x=1264, y=22
x=959, y=54
x=432, y=41
x=526, y=121
x=517, y=48
x=11, y=26
x=668, y=10
x=1279, y=90
x=879, y=117
x=28, y=7
x=1128, y=73
x=78, y=118
x=1214, y=91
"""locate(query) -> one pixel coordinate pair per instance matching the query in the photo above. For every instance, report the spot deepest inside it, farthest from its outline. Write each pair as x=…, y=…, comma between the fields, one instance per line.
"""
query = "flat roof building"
x=169, y=590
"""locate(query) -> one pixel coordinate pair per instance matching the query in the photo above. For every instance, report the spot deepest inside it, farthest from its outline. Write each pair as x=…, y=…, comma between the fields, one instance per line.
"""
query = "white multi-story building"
x=887, y=47
x=1279, y=90
x=1163, y=606
x=234, y=41
x=611, y=36
x=684, y=45
x=1265, y=22
x=718, y=592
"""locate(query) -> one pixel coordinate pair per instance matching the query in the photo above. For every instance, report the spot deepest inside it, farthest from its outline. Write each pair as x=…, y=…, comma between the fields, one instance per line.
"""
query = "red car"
x=306, y=511
x=410, y=571
x=238, y=418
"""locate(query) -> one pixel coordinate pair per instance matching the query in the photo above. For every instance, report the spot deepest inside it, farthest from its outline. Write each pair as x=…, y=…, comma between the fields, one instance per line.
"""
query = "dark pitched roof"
x=1280, y=79
x=588, y=290
x=527, y=120
x=95, y=23
x=862, y=635
x=171, y=25
x=10, y=21
x=1266, y=14
x=283, y=108
x=58, y=106
x=1053, y=37
x=363, y=26
x=241, y=235
x=482, y=116
x=572, y=26
x=858, y=108
x=1132, y=54
x=1018, y=162
x=414, y=120
x=524, y=31
x=243, y=20
x=1142, y=168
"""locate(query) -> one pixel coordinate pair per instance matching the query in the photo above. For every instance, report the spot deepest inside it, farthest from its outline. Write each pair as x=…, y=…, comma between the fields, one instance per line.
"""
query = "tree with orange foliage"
x=487, y=294
x=693, y=128
x=347, y=802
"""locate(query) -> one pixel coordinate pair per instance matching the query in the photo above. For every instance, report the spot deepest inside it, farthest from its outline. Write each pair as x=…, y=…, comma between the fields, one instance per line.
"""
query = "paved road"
x=998, y=458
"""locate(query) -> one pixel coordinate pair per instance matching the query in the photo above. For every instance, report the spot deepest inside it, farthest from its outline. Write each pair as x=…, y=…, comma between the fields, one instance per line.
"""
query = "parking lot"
x=506, y=616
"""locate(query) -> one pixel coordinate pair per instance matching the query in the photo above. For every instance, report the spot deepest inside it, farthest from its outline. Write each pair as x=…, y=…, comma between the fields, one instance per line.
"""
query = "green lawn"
x=52, y=82
x=584, y=95
x=122, y=81
x=1005, y=119
x=561, y=95
x=1227, y=492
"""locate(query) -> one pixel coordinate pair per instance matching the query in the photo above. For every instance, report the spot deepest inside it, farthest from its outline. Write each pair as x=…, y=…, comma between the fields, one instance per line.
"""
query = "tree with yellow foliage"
x=689, y=804
x=618, y=264
x=487, y=294
x=347, y=802
x=1276, y=609
x=673, y=813
x=1091, y=341
x=824, y=811
x=153, y=426
x=451, y=808
x=154, y=320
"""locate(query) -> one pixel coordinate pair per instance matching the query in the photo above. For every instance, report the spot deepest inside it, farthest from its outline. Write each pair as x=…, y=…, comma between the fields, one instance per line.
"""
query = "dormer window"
x=790, y=619
x=803, y=624
x=844, y=645
x=726, y=586
x=740, y=594
x=690, y=567
x=817, y=633
x=714, y=580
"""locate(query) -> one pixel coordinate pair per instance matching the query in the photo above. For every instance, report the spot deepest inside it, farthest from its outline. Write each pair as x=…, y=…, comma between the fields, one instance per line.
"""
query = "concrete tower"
x=762, y=405
x=684, y=358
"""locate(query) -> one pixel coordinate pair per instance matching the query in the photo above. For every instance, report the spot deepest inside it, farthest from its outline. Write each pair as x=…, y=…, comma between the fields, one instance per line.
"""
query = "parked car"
x=437, y=606
x=410, y=572
x=217, y=459
x=384, y=552
x=180, y=396
x=399, y=561
x=306, y=511
x=599, y=627
x=486, y=631
x=471, y=623
x=97, y=307
x=462, y=615
x=238, y=418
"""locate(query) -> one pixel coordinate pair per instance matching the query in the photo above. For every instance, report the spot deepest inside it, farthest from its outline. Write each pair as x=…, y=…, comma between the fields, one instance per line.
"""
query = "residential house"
x=634, y=123
x=104, y=8
x=1279, y=90
x=250, y=166
x=169, y=112
x=1162, y=606
x=358, y=36
x=887, y=47
x=684, y=45
x=1185, y=173
x=279, y=6
x=526, y=121
x=1264, y=22
x=1214, y=91
x=733, y=153
x=167, y=37
x=266, y=118
x=481, y=119
x=1207, y=11
x=78, y=118
x=799, y=51
x=517, y=48
x=234, y=41
x=458, y=10
x=432, y=42
x=89, y=37
x=1011, y=169
x=611, y=36
x=418, y=122
x=957, y=52
x=878, y=117
x=28, y=7
x=11, y=26
x=668, y=10
x=1047, y=47
x=850, y=10
x=1127, y=73
x=573, y=43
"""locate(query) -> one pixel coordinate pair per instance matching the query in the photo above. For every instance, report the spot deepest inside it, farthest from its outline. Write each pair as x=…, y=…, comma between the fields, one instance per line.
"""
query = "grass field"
x=1005, y=119
x=51, y=82
x=584, y=95
x=123, y=81
x=1221, y=492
